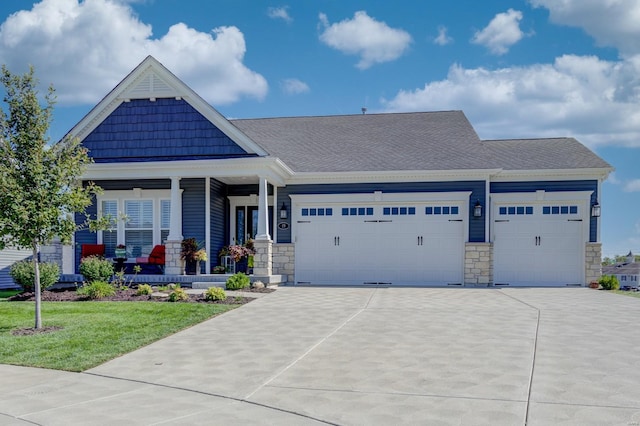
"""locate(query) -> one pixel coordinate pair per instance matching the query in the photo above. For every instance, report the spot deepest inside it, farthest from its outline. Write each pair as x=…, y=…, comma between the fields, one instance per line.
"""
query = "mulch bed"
x=129, y=295
x=32, y=331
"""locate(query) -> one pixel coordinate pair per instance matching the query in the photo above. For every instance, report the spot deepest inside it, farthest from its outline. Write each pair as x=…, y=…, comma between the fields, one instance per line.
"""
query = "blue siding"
x=219, y=219
x=193, y=211
x=476, y=225
x=166, y=129
x=554, y=186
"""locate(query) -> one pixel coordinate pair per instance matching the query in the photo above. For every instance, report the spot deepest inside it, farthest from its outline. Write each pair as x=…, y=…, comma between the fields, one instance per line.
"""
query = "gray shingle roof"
x=405, y=141
x=622, y=269
x=542, y=154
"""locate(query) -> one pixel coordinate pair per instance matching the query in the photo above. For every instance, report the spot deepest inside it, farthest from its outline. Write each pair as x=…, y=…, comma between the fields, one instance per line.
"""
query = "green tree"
x=39, y=183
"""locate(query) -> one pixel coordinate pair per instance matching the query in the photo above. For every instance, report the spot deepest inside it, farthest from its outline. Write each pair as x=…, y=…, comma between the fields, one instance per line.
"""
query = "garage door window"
x=516, y=210
x=357, y=211
x=560, y=210
x=395, y=211
x=317, y=212
x=446, y=210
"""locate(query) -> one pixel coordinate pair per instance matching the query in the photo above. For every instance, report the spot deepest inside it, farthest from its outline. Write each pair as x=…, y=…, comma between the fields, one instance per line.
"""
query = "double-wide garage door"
x=380, y=243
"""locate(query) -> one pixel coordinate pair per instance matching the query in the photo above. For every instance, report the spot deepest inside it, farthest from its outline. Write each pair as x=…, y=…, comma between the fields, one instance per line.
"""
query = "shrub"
x=24, y=275
x=609, y=282
x=144, y=289
x=237, y=281
x=178, y=294
x=97, y=290
x=214, y=293
x=95, y=268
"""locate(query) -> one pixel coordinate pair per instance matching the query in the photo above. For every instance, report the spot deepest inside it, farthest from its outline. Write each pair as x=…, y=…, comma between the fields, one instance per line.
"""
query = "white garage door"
x=539, y=244
x=380, y=243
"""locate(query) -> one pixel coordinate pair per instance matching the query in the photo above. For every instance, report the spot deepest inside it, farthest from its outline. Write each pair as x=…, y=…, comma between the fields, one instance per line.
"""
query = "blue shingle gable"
x=160, y=130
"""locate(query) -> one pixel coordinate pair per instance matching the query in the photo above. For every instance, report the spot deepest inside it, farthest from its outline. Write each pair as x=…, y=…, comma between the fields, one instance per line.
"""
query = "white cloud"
x=442, y=39
x=280, y=13
x=374, y=41
x=632, y=186
x=502, y=32
x=594, y=100
x=85, y=48
x=612, y=22
x=293, y=86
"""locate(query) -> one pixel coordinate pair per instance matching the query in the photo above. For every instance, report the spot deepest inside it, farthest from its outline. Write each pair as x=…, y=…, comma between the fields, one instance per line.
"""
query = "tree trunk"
x=36, y=284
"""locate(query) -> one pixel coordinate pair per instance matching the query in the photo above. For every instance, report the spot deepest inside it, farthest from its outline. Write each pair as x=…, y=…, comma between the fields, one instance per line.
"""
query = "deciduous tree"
x=39, y=186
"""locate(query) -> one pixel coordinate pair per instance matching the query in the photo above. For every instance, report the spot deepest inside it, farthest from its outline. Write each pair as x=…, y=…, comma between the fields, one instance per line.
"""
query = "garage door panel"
x=400, y=245
x=538, y=248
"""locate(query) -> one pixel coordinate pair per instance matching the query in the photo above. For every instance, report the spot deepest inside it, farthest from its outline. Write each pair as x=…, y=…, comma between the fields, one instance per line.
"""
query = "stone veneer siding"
x=478, y=264
x=592, y=262
x=173, y=262
x=262, y=259
x=284, y=260
x=52, y=253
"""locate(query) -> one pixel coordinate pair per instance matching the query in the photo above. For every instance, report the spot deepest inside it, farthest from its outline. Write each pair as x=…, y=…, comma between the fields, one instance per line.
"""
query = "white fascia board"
x=380, y=197
x=270, y=168
x=530, y=197
x=391, y=176
x=123, y=92
x=552, y=174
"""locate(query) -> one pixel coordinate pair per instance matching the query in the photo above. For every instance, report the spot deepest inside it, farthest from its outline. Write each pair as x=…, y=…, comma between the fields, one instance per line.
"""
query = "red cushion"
x=156, y=256
x=92, y=250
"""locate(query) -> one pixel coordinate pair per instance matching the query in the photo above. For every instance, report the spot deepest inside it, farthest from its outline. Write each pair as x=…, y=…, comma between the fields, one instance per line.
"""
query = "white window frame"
x=135, y=194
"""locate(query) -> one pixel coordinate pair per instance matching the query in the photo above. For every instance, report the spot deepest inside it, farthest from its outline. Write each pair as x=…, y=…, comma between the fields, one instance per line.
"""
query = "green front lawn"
x=627, y=293
x=4, y=294
x=93, y=332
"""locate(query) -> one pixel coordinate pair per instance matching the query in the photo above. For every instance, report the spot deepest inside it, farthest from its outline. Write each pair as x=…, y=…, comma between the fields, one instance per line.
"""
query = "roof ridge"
x=347, y=115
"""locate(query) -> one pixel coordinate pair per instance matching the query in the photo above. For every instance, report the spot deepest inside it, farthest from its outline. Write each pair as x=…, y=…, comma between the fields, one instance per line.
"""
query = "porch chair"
x=157, y=256
x=91, y=250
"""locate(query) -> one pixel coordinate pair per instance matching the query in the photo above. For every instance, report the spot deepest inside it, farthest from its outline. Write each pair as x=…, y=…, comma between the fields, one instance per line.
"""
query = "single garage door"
x=380, y=243
x=538, y=244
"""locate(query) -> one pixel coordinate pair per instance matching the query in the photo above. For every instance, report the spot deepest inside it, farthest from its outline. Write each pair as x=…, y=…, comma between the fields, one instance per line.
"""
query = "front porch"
x=207, y=280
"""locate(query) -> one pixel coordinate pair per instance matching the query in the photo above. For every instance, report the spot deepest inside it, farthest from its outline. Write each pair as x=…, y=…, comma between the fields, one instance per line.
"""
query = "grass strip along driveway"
x=92, y=332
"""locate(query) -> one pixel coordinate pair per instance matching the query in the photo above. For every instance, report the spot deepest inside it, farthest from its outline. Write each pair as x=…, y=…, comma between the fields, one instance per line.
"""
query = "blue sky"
x=518, y=69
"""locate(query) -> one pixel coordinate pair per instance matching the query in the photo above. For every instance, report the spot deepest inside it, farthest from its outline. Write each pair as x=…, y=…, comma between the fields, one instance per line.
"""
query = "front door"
x=247, y=223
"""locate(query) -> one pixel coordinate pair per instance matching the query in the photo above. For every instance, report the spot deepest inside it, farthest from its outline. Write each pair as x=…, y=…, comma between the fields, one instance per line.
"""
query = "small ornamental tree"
x=39, y=186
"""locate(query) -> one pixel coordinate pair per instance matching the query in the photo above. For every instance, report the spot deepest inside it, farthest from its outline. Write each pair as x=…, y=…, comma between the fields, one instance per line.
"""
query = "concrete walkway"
x=364, y=356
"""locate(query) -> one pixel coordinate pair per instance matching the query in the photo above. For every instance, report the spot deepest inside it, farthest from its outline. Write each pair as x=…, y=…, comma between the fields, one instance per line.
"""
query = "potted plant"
x=120, y=251
x=199, y=256
x=242, y=255
x=189, y=248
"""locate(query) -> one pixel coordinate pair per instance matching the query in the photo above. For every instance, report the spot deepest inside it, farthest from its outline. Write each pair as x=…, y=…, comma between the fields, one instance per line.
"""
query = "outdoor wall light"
x=595, y=210
x=477, y=209
x=283, y=211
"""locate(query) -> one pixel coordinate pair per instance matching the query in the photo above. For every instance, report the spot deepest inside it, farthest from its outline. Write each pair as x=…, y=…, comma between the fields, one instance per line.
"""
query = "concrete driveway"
x=363, y=356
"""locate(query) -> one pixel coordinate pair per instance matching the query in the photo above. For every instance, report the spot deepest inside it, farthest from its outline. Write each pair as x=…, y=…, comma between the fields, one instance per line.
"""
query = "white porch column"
x=207, y=223
x=175, y=224
x=263, y=212
x=173, y=245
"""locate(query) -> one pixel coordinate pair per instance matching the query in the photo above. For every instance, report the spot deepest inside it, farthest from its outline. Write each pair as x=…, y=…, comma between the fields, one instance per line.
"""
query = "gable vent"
x=150, y=86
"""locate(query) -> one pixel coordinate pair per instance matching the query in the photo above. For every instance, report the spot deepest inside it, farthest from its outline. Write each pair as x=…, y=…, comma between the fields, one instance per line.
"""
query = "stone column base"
x=263, y=259
x=478, y=264
x=592, y=262
x=173, y=262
